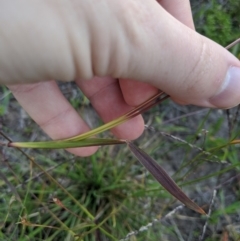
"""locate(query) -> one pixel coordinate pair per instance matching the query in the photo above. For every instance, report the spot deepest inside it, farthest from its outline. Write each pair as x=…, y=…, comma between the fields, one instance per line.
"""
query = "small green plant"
x=108, y=196
x=219, y=22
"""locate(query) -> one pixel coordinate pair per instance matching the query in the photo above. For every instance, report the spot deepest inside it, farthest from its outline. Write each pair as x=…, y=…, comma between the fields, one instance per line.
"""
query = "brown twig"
x=233, y=44
x=165, y=134
x=208, y=215
x=150, y=224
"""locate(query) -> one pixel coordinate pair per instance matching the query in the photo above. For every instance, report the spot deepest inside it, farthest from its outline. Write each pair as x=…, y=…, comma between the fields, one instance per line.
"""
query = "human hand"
x=140, y=40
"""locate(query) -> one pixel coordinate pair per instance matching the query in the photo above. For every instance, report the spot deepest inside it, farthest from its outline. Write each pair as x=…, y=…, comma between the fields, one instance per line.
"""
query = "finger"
x=180, y=9
x=52, y=112
x=142, y=41
x=179, y=61
x=106, y=97
x=135, y=92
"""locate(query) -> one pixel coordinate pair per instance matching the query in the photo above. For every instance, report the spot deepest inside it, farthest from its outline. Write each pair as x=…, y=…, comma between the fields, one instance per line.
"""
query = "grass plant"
x=53, y=195
x=109, y=196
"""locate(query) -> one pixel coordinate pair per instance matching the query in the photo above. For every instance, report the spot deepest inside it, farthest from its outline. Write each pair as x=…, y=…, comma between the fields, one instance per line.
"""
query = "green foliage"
x=109, y=194
x=4, y=100
x=101, y=185
x=219, y=22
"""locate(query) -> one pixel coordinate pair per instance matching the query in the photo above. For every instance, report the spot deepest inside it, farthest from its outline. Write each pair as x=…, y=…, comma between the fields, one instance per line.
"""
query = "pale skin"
x=141, y=45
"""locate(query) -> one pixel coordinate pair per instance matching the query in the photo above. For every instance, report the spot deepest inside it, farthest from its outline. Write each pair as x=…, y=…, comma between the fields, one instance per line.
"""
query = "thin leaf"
x=163, y=178
x=156, y=99
x=67, y=144
x=233, y=44
x=11, y=187
x=79, y=140
x=237, y=141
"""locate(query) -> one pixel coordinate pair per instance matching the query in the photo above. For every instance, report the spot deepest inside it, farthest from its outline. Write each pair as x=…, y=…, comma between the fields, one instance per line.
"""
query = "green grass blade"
x=163, y=178
x=156, y=99
x=67, y=144
x=86, y=139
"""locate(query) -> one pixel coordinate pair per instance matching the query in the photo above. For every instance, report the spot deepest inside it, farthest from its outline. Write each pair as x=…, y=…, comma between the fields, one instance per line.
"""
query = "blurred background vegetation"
x=218, y=20
x=110, y=196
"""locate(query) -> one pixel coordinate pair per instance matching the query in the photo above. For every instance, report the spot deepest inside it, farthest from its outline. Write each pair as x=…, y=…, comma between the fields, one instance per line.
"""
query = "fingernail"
x=229, y=94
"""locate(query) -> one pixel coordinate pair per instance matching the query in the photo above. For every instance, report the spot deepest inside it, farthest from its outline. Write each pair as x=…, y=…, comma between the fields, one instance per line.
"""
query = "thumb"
x=184, y=64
